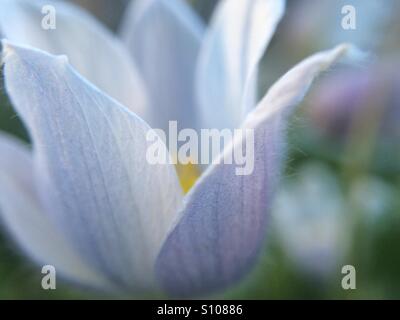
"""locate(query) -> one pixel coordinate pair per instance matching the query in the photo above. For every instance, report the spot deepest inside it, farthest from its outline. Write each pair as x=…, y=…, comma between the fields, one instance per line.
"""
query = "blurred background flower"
x=351, y=96
x=310, y=216
x=352, y=119
x=339, y=201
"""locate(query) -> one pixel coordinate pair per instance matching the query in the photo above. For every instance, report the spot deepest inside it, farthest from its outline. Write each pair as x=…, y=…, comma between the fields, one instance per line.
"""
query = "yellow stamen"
x=188, y=175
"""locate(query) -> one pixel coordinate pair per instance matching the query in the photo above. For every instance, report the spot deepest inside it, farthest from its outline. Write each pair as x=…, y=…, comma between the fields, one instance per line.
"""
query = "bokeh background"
x=339, y=200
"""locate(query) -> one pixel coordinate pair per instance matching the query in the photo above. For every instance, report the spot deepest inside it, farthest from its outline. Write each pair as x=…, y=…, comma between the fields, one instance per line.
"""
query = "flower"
x=84, y=199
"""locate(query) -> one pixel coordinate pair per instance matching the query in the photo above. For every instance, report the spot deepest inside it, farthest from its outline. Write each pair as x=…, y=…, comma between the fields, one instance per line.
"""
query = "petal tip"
x=9, y=49
x=350, y=51
x=344, y=49
x=62, y=59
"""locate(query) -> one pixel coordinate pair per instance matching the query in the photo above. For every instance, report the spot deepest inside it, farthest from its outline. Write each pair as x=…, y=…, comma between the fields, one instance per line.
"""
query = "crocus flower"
x=85, y=199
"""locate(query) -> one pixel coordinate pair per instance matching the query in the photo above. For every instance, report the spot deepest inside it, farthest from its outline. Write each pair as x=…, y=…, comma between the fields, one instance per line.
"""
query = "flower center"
x=188, y=175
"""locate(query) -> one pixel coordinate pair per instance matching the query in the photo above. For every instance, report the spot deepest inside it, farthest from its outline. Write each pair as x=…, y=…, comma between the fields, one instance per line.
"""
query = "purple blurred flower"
x=344, y=102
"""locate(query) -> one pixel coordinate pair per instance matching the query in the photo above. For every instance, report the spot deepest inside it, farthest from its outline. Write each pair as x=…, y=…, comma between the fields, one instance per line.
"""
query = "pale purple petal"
x=23, y=216
x=91, y=49
x=239, y=34
x=223, y=223
x=164, y=38
x=90, y=155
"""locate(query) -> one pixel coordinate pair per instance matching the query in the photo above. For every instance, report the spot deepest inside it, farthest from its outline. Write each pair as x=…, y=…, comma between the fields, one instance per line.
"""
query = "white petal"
x=90, y=155
x=239, y=34
x=164, y=38
x=23, y=217
x=223, y=224
x=92, y=50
